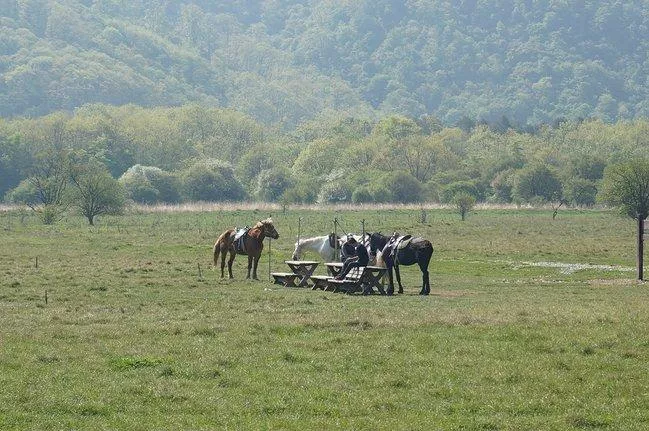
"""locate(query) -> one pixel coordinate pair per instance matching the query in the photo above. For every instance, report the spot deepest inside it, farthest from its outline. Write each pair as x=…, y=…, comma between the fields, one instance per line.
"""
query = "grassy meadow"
x=532, y=323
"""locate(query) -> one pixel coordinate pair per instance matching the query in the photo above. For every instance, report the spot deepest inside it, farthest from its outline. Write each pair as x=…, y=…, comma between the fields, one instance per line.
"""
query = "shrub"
x=362, y=195
x=536, y=183
x=464, y=203
x=149, y=184
x=580, y=191
x=211, y=180
x=449, y=191
x=272, y=183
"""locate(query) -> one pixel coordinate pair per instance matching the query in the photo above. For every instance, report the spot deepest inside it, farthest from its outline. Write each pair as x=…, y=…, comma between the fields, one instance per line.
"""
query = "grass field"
x=533, y=323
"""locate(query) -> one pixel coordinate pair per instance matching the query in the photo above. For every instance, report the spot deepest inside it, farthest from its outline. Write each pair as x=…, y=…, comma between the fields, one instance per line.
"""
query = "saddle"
x=396, y=243
x=238, y=240
x=403, y=241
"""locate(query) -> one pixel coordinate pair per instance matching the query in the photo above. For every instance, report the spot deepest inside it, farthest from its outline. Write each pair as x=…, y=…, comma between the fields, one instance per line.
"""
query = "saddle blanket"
x=239, y=242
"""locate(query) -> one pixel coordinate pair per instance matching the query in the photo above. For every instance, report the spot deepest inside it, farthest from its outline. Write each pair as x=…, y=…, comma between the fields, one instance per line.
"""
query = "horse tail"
x=217, y=252
x=296, y=252
x=217, y=246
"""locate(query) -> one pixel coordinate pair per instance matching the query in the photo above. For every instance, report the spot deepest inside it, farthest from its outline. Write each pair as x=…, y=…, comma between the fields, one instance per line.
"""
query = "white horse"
x=325, y=246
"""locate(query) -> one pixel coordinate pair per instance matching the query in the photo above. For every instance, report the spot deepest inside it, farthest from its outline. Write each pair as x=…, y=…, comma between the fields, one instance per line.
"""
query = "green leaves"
x=626, y=185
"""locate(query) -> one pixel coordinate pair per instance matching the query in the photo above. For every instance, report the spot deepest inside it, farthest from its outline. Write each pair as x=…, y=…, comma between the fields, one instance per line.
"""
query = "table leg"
x=290, y=281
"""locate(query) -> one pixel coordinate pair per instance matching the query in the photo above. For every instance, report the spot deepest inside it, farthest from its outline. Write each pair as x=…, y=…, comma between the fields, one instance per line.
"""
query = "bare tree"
x=49, y=178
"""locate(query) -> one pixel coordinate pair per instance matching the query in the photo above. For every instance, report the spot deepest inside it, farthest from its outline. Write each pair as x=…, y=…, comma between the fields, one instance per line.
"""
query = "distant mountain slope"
x=286, y=61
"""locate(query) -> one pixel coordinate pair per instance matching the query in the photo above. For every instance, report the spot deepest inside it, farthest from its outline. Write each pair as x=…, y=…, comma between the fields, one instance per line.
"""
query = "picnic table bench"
x=302, y=271
x=320, y=282
x=362, y=279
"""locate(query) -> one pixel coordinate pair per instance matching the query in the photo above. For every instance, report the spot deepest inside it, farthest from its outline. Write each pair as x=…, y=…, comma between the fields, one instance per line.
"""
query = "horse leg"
x=255, y=262
x=232, y=256
x=396, y=271
x=390, y=290
x=249, y=266
x=425, y=288
x=223, y=256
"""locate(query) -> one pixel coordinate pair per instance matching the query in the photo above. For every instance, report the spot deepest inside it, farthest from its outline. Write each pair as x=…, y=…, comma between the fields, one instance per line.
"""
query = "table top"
x=300, y=262
x=334, y=264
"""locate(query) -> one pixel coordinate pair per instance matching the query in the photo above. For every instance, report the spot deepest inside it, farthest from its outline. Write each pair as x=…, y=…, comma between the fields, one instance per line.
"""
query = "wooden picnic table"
x=334, y=268
x=302, y=269
x=371, y=276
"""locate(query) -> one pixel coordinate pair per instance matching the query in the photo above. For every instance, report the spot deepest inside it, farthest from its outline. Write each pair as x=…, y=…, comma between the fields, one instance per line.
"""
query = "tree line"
x=195, y=153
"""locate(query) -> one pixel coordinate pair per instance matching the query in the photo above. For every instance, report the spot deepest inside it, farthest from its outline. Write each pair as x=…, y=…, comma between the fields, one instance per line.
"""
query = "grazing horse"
x=417, y=250
x=324, y=245
x=253, y=242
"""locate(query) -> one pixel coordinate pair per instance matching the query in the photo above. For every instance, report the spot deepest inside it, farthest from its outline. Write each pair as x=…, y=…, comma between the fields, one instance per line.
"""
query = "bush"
x=24, y=193
x=405, y=188
x=449, y=191
x=211, y=180
x=272, y=183
x=536, y=183
x=362, y=195
x=149, y=184
x=335, y=189
x=333, y=192
x=464, y=203
x=501, y=186
x=580, y=191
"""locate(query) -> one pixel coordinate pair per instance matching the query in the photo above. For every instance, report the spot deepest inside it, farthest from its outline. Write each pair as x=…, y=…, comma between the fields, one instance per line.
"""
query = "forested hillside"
x=287, y=61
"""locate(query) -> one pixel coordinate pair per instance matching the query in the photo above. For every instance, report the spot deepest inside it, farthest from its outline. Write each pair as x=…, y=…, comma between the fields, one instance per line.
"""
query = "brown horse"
x=253, y=245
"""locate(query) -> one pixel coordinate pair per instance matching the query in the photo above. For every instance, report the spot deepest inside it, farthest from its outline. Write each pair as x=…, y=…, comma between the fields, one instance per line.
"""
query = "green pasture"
x=533, y=323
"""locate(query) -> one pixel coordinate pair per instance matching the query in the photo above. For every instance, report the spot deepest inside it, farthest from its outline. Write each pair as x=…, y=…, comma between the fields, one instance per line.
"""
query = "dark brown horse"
x=253, y=245
x=418, y=250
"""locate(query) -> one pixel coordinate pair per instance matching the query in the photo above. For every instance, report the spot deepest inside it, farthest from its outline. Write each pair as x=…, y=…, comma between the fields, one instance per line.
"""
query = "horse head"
x=332, y=239
x=377, y=242
x=269, y=228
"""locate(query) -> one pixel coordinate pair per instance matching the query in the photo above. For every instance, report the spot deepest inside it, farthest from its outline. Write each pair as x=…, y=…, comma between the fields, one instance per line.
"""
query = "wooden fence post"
x=641, y=233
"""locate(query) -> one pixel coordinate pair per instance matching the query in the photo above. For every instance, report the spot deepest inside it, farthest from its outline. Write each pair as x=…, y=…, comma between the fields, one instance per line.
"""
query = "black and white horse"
x=418, y=250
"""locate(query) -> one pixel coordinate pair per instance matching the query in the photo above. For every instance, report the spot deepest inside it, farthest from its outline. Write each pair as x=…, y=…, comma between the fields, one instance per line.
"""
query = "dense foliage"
x=287, y=61
x=192, y=153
